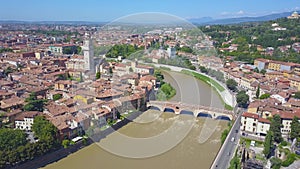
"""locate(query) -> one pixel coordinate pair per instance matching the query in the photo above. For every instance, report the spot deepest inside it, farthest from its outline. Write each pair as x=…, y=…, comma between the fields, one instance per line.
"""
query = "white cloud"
x=225, y=13
x=241, y=12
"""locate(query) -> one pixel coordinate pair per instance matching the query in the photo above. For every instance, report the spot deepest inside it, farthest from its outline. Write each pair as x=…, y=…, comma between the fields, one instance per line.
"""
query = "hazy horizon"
x=107, y=11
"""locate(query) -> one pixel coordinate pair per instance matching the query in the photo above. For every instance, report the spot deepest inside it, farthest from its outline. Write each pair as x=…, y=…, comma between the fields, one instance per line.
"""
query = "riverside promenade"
x=226, y=95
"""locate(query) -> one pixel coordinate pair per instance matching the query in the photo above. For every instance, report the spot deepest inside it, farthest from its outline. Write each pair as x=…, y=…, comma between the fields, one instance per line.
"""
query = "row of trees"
x=179, y=61
x=242, y=98
x=15, y=148
x=213, y=73
x=5, y=50
x=122, y=50
x=166, y=91
x=72, y=50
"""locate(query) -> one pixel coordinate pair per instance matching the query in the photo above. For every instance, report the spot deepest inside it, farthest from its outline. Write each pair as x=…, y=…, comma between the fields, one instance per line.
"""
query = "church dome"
x=295, y=14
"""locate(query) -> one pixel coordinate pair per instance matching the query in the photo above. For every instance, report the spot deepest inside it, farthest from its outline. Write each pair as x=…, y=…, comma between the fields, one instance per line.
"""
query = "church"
x=84, y=63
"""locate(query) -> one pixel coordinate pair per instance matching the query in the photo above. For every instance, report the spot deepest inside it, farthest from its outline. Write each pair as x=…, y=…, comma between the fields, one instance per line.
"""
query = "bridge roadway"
x=196, y=110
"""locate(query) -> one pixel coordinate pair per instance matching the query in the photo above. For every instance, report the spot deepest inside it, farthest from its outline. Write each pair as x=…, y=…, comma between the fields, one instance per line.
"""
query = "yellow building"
x=297, y=69
x=273, y=75
x=246, y=83
x=274, y=66
x=253, y=107
x=295, y=82
x=87, y=100
x=287, y=74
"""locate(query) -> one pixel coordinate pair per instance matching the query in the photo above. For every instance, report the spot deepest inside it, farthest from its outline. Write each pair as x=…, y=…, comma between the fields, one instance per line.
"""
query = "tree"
x=8, y=70
x=110, y=70
x=10, y=139
x=167, y=90
x=268, y=144
x=34, y=104
x=257, y=92
x=276, y=163
x=295, y=128
x=256, y=70
x=235, y=163
x=289, y=160
x=65, y=143
x=264, y=96
x=263, y=71
x=130, y=69
x=98, y=75
x=275, y=128
x=186, y=49
x=44, y=129
x=231, y=84
x=242, y=98
x=203, y=69
x=57, y=97
x=297, y=95
x=224, y=135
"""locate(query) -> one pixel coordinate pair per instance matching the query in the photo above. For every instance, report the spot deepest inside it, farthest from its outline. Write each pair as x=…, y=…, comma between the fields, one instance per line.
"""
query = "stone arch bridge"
x=195, y=110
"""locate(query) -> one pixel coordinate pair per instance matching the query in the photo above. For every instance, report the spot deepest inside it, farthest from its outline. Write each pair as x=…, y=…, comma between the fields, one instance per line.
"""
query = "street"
x=227, y=151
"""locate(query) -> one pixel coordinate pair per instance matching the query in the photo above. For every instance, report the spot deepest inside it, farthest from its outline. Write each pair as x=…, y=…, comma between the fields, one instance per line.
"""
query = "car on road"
x=252, y=143
x=232, y=139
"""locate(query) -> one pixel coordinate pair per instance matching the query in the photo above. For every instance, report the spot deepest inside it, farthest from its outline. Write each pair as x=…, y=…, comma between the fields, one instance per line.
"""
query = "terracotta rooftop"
x=250, y=115
x=264, y=120
x=27, y=114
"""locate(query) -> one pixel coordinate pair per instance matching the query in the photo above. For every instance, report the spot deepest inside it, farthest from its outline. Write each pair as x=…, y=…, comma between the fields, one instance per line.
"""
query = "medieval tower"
x=88, y=53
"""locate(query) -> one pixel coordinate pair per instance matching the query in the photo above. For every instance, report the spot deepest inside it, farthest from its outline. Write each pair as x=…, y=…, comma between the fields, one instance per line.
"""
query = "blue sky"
x=99, y=10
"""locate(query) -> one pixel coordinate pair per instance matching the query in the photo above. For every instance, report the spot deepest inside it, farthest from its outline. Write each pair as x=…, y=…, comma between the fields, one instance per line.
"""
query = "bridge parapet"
x=178, y=107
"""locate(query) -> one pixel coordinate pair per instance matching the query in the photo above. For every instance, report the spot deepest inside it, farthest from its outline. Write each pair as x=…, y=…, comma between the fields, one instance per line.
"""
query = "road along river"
x=159, y=140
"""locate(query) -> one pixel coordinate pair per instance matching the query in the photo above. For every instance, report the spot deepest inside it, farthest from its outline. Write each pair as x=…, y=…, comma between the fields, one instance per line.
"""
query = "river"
x=168, y=140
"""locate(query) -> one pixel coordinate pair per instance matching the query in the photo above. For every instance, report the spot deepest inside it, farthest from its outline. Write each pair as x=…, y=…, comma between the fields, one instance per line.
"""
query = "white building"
x=279, y=98
x=25, y=120
x=252, y=123
x=249, y=122
x=263, y=126
x=286, y=126
x=171, y=52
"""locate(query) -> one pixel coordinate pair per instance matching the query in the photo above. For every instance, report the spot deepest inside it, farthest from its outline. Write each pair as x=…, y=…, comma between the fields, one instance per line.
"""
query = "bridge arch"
x=223, y=117
x=154, y=108
x=188, y=112
x=204, y=114
x=167, y=109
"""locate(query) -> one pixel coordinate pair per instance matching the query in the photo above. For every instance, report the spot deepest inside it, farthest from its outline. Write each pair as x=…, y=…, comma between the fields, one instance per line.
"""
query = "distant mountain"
x=197, y=21
x=52, y=22
x=201, y=20
x=242, y=19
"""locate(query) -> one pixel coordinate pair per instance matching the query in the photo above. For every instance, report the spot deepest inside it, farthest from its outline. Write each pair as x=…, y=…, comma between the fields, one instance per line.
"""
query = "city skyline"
x=92, y=10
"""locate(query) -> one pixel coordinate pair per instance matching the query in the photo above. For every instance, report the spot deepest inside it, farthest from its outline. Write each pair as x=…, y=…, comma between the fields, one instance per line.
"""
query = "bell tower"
x=88, y=53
